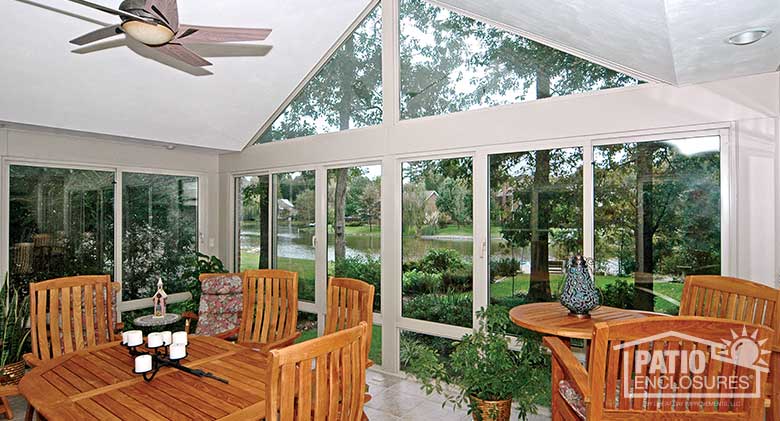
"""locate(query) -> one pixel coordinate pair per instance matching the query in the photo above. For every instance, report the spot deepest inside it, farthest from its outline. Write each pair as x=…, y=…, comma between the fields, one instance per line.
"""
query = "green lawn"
x=304, y=267
x=375, y=353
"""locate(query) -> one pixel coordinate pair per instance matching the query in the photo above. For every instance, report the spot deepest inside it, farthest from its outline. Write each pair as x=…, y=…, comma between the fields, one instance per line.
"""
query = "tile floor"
x=394, y=398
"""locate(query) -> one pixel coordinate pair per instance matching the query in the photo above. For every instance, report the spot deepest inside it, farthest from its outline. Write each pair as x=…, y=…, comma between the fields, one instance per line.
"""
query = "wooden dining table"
x=552, y=318
x=99, y=384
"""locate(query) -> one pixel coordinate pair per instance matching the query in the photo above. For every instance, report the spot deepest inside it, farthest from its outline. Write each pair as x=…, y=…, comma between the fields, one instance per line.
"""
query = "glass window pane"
x=414, y=344
x=354, y=207
x=657, y=219
x=61, y=223
x=451, y=63
x=252, y=216
x=437, y=241
x=295, y=228
x=160, y=233
x=346, y=93
x=535, y=222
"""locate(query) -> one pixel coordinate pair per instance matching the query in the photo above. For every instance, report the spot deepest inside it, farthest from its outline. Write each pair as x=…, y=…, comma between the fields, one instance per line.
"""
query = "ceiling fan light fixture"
x=748, y=36
x=149, y=34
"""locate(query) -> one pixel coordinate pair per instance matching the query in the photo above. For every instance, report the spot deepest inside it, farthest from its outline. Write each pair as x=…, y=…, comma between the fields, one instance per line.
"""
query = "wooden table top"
x=553, y=319
x=98, y=384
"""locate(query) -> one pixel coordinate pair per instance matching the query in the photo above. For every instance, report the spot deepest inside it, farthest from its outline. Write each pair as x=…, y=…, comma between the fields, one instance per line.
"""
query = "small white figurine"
x=159, y=299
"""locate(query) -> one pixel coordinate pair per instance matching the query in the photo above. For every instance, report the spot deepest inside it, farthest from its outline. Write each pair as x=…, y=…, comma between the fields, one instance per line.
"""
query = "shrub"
x=618, y=294
x=366, y=269
x=417, y=282
x=504, y=267
x=458, y=280
x=451, y=309
x=441, y=260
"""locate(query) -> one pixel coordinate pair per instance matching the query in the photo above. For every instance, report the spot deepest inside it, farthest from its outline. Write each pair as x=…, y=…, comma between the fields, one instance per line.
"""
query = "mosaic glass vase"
x=579, y=293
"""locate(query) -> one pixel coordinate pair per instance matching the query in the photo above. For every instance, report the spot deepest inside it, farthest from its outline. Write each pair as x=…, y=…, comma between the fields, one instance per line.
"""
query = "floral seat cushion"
x=221, y=303
x=572, y=397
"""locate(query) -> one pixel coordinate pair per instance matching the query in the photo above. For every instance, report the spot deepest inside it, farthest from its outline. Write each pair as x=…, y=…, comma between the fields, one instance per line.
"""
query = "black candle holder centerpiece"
x=161, y=358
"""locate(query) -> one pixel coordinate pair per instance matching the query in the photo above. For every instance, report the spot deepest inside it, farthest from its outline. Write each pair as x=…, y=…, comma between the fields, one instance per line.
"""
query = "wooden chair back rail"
x=203, y=276
x=327, y=375
x=613, y=372
x=350, y=301
x=70, y=314
x=270, y=307
x=731, y=298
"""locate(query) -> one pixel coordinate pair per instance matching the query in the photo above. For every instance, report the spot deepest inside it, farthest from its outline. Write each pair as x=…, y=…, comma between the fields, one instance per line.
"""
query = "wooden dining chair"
x=742, y=300
x=68, y=315
x=610, y=388
x=350, y=301
x=269, y=315
x=5, y=407
x=220, y=307
x=319, y=379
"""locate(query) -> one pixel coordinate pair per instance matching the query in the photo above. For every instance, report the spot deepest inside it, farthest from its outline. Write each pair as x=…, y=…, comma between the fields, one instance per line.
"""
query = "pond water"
x=296, y=243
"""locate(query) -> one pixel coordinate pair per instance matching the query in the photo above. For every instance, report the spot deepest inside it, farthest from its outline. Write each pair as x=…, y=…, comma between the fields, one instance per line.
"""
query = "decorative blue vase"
x=579, y=293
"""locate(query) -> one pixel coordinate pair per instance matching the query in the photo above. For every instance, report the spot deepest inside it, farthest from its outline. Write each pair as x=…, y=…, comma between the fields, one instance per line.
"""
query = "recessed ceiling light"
x=170, y=147
x=748, y=36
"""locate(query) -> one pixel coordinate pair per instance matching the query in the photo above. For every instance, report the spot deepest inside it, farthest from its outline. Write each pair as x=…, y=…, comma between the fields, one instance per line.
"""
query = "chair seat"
x=572, y=397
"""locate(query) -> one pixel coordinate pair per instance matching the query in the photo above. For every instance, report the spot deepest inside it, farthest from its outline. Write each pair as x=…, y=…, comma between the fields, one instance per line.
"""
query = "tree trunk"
x=539, y=288
x=345, y=111
x=643, y=278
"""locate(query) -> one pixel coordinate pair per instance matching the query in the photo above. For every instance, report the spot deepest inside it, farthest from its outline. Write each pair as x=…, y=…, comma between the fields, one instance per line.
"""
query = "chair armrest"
x=31, y=361
x=572, y=368
x=369, y=363
x=228, y=335
x=188, y=317
x=267, y=347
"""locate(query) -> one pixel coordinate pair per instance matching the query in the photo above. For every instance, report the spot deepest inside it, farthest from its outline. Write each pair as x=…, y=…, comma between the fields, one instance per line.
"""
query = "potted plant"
x=484, y=372
x=14, y=317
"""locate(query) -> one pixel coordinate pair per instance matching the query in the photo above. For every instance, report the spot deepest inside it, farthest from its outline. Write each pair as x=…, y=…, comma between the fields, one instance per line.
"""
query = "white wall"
x=49, y=146
x=747, y=107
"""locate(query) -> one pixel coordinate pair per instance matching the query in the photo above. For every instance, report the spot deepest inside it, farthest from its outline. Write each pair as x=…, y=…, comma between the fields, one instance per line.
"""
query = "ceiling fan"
x=155, y=23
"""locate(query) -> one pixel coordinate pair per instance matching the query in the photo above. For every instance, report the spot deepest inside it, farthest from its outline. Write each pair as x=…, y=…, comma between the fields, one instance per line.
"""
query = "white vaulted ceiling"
x=122, y=90
x=118, y=92
x=674, y=41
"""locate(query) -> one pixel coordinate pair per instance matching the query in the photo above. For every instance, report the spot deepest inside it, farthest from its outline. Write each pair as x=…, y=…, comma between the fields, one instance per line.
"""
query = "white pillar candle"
x=135, y=337
x=143, y=363
x=154, y=340
x=178, y=351
x=180, y=338
x=124, y=338
x=166, y=337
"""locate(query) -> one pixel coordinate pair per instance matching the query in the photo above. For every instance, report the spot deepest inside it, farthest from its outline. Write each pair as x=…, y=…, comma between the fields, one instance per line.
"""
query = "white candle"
x=124, y=338
x=166, y=337
x=180, y=338
x=178, y=351
x=134, y=337
x=143, y=363
x=154, y=340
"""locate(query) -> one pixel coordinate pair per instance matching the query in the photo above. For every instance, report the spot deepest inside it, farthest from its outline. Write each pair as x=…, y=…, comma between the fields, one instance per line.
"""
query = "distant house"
x=431, y=209
x=285, y=208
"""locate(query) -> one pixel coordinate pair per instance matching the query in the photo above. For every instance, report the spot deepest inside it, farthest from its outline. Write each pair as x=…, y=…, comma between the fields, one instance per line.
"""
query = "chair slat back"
x=326, y=374
x=627, y=382
x=731, y=298
x=270, y=308
x=70, y=314
x=350, y=301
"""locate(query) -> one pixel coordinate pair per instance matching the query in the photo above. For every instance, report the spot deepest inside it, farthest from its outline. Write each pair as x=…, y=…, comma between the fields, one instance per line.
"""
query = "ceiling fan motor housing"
x=136, y=7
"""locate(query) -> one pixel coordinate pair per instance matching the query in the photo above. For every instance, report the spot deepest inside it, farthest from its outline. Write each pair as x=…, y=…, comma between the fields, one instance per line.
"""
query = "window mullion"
x=321, y=245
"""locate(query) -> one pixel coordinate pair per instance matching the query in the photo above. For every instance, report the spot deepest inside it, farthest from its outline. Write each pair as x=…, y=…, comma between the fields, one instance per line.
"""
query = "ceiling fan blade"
x=105, y=32
x=116, y=12
x=166, y=10
x=182, y=53
x=206, y=34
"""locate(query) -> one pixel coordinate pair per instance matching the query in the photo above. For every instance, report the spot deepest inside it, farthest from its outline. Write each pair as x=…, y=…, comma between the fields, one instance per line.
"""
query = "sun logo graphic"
x=675, y=365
